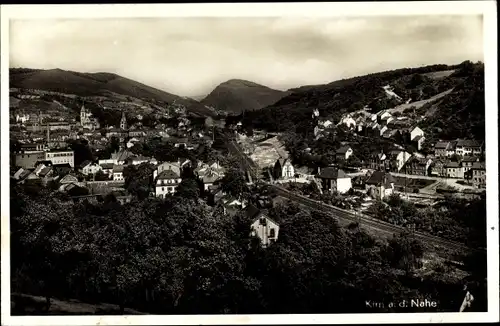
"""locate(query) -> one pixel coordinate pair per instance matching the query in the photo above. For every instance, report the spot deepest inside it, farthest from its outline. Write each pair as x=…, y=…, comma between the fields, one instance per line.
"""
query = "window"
x=272, y=233
x=162, y=188
x=263, y=221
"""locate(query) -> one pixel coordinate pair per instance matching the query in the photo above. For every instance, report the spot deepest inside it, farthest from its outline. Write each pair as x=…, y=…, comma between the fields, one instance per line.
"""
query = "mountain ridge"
x=95, y=84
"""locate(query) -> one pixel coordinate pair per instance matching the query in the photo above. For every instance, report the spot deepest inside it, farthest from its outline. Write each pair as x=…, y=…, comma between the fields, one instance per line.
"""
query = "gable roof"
x=107, y=166
x=379, y=177
x=468, y=143
x=478, y=166
x=332, y=173
x=168, y=174
x=45, y=171
x=452, y=165
x=85, y=163
x=442, y=145
x=343, y=149
x=118, y=168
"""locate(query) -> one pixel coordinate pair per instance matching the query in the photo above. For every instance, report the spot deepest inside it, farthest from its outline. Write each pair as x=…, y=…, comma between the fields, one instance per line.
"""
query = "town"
x=358, y=190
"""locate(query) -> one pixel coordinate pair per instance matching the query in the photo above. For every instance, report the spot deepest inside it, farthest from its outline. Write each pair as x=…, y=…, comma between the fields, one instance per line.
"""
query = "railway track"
x=367, y=221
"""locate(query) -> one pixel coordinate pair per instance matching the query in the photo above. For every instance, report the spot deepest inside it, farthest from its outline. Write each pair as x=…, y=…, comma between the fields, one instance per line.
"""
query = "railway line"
x=366, y=221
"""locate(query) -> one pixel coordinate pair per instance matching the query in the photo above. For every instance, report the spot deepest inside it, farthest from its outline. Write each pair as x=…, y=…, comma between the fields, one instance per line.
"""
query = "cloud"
x=189, y=56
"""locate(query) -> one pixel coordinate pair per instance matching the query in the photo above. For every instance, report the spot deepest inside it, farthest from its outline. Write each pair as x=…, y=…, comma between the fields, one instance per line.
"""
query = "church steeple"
x=123, y=122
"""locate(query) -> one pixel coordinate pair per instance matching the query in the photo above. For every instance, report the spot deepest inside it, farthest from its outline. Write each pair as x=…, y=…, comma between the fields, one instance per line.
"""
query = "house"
x=451, y=150
x=46, y=175
x=415, y=132
x=438, y=168
x=377, y=161
x=479, y=175
x=58, y=156
x=118, y=173
x=382, y=129
x=177, y=167
x=466, y=164
x=262, y=226
x=418, y=166
x=210, y=177
x=348, y=121
x=334, y=179
x=67, y=179
x=88, y=167
x=139, y=159
x=283, y=169
x=22, y=175
x=380, y=185
x=468, y=147
x=453, y=170
x=396, y=160
x=384, y=115
x=62, y=169
x=343, y=153
x=441, y=149
x=107, y=168
x=419, y=142
x=325, y=123
x=27, y=160
x=230, y=205
x=167, y=182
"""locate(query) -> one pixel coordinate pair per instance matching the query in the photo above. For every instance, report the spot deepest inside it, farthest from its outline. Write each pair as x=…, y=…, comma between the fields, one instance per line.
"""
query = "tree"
x=234, y=183
x=139, y=179
x=404, y=252
x=188, y=188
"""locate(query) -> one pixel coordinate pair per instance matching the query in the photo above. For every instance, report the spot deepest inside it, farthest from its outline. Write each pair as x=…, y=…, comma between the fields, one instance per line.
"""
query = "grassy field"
x=439, y=74
x=418, y=104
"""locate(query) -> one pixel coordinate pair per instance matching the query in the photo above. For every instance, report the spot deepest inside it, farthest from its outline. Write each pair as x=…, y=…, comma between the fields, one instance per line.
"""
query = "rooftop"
x=332, y=173
x=168, y=174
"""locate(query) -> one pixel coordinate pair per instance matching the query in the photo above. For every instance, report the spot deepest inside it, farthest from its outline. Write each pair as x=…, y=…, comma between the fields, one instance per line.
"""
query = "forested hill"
x=236, y=96
x=94, y=84
x=293, y=112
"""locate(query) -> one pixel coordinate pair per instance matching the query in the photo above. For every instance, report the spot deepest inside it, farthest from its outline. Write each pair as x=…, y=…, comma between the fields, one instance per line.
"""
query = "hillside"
x=95, y=84
x=236, y=96
x=293, y=112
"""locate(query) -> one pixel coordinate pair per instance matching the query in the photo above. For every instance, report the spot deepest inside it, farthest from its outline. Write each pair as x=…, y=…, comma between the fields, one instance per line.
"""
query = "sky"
x=190, y=56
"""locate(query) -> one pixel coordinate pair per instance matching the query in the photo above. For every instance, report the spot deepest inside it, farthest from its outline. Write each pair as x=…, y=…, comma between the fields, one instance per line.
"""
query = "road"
x=366, y=221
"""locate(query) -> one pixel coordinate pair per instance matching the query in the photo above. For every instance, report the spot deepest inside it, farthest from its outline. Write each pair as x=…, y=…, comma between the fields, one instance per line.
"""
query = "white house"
x=325, y=123
x=262, y=226
x=167, y=183
x=382, y=130
x=118, y=173
x=61, y=157
x=416, y=132
x=400, y=158
x=385, y=115
x=380, y=185
x=174, y=166
x=343, y=153
x=348, y=121
x=88, y=167
x=334, y=179
x=283, y=169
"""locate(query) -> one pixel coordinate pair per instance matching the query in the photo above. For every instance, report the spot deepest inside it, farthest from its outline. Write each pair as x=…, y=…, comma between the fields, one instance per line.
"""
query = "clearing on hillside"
x=439, y=74
x=418, y=104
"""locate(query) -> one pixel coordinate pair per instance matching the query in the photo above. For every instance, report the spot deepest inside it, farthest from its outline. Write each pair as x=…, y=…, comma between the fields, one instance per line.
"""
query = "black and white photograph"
x=249, y=163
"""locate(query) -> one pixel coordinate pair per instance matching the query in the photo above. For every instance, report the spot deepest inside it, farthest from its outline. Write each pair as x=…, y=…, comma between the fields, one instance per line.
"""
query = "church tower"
x=84, y=116
x=123, y=122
